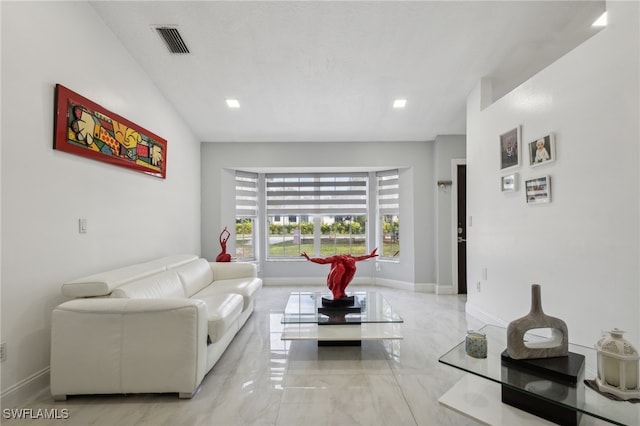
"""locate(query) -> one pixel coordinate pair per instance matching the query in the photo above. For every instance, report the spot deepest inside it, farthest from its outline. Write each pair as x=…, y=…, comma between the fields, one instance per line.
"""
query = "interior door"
x=462, y=228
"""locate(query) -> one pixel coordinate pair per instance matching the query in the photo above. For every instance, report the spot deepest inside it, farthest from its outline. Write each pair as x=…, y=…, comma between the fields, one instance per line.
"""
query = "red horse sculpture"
x=343, y=268
x=224, y=256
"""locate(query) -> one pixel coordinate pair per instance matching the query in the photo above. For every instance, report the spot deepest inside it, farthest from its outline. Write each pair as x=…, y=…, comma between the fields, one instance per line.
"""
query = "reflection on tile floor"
x=262, y=380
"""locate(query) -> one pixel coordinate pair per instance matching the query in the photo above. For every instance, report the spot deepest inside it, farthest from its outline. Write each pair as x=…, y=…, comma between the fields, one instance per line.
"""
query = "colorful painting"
x=84, y=128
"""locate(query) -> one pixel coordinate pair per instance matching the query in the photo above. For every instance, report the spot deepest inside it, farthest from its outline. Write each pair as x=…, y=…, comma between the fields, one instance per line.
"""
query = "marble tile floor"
x=262, y=380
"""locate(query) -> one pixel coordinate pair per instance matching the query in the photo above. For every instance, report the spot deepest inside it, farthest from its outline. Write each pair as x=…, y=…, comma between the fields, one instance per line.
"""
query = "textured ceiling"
x=329, y=71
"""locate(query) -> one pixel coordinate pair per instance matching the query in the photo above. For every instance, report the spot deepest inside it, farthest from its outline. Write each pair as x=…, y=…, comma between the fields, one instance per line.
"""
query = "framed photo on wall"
x=538, y=190
x=509, y=183
x=510, y=149
x=542, y=150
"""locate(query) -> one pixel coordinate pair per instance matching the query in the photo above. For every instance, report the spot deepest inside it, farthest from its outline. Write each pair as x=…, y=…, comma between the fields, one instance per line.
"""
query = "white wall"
x=583, y=247
x=415, y=159
x=131, y=216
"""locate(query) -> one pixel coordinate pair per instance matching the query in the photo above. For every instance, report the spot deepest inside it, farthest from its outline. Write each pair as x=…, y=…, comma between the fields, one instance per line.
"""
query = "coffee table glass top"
x=491, y=368
x=302, y=308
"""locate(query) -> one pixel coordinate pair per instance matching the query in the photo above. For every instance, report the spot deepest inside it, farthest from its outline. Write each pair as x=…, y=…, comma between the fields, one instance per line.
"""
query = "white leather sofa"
x=153, y=327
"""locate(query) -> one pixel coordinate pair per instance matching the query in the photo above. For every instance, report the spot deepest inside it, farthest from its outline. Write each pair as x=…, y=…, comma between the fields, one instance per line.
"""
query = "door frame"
x=454, y=221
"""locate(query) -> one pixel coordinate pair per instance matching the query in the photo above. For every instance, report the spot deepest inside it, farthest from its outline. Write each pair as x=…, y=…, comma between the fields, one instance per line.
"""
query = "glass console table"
x=376, y=319
x=579, y=398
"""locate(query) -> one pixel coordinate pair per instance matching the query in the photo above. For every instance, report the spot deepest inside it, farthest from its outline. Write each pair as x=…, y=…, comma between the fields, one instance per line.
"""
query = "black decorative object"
x=545, y=380
x=567, y=369
x=345, y=343
x=335, y=303
x=337, y=310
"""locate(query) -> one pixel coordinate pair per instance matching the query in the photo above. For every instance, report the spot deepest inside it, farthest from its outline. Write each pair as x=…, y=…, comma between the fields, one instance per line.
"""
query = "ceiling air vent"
x=172, y=39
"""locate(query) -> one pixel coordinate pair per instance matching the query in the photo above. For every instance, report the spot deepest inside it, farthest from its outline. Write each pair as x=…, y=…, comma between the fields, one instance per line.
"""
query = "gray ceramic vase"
x=556, y=346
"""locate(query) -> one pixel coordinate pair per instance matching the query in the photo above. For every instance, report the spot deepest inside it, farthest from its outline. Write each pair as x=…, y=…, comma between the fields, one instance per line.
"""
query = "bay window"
x=322, y=214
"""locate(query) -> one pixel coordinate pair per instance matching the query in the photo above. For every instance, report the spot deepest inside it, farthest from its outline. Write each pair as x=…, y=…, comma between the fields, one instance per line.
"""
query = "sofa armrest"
x=108, y=345
x=231, y=270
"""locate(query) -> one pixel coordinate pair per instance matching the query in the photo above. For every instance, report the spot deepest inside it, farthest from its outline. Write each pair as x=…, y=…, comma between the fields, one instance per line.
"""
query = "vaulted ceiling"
x=317, y=71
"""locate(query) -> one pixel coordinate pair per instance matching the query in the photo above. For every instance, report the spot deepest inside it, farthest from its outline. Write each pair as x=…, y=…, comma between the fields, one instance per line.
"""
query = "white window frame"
x=388, y=204
x=247, y=193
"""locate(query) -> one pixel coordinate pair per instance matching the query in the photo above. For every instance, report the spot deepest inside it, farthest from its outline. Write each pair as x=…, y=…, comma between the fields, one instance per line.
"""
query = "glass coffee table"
x=376, y=319
x=491, y=370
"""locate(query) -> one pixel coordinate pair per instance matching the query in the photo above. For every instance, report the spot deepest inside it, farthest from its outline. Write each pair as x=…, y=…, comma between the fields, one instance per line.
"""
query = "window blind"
x=388, y=192
x=246, y=194
x=316, y=193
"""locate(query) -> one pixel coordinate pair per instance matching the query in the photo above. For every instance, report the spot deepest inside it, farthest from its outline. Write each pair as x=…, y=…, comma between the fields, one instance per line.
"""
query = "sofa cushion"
x=163, y=285
x=246, y=287
x=170, y=262
x=230, y=270
x=222, y=312
x=194, y=276
x=103, y=283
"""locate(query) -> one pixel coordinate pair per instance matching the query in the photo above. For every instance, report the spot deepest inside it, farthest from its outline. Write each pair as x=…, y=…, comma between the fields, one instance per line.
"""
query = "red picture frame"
x=84, y=128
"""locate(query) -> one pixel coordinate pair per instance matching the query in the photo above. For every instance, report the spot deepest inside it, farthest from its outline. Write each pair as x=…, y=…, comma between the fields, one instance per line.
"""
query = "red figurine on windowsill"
x=224, y=256
x=343, y=268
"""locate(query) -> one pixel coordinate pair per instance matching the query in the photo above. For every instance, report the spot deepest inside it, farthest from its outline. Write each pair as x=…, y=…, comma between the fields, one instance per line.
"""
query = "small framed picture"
x=509, y=183
x=542, y=150
x=538, y=190
x=510, y=149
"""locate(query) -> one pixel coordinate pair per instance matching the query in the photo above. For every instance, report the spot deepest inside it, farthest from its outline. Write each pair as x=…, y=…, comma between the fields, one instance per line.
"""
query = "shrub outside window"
x=343, y=235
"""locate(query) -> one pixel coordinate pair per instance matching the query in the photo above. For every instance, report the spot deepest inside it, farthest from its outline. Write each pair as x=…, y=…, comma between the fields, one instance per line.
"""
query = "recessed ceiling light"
x=233, y=103
x=399, y=103
x=601, y=21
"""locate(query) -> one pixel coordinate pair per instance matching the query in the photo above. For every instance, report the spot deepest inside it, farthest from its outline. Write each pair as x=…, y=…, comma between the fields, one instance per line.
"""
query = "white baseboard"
x=425, y=287
x=383, y=282
x=402, y=285
x=445, y=289
x=309, y=281
x=27, y=390
x=293, y=281
x=479, y=314
x=321, y=282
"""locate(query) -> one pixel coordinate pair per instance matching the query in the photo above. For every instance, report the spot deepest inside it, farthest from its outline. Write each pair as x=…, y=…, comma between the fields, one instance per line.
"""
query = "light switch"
x=82, y=226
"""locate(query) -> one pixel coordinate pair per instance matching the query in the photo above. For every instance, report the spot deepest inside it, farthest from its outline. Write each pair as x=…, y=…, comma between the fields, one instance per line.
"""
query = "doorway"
x=459, y=225
x=461, y=228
